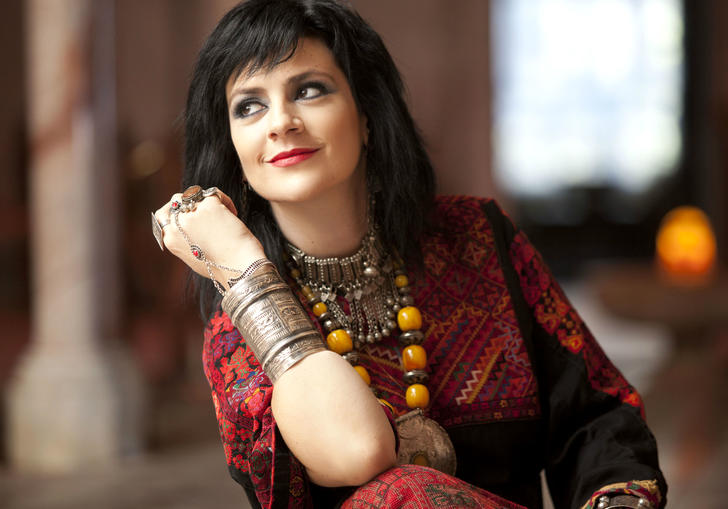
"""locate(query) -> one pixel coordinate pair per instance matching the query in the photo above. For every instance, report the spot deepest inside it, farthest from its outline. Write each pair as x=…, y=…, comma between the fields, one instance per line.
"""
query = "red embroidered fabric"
x=553, y=311
x=241, y=395
x=410, y=486
x=478, y=362
x=482, y=376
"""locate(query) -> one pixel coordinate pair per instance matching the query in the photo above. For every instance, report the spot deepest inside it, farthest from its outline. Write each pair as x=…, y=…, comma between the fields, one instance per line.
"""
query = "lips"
x=291, y=157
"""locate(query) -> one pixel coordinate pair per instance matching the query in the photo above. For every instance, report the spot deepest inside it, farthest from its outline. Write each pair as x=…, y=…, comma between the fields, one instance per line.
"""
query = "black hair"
x=263, y=33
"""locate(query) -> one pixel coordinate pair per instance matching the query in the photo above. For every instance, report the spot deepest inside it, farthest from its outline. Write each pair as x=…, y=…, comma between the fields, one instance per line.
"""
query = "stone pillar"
x=73, y=399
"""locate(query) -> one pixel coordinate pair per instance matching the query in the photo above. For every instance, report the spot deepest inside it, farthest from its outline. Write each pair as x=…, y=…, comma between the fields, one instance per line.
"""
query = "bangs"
x=267, y=38
x=266, y=54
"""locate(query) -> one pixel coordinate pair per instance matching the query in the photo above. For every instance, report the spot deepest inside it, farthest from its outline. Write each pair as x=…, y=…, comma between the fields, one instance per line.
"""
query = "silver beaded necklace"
x=365, y=280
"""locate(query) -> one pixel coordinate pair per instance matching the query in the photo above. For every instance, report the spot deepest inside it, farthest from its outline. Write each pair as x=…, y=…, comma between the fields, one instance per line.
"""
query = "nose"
x=283, y=119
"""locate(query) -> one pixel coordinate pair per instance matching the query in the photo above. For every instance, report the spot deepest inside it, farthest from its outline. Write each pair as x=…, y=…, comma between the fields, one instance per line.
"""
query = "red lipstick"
x=291, y=157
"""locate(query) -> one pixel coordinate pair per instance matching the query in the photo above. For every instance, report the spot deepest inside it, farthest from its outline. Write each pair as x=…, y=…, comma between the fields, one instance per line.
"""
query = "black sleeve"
x=597, y=441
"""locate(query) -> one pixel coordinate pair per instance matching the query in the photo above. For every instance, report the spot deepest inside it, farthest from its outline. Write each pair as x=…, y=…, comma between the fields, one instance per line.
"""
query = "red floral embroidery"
x=241, y=395
x=554, y=313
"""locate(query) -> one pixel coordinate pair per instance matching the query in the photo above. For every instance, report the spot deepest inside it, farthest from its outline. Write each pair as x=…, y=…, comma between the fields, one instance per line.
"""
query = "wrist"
x=252, y=267
x=243, y=261
x=271, y=319
x=240, y=253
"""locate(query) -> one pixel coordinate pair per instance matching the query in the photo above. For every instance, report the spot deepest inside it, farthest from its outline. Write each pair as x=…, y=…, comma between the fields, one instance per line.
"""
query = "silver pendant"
x=424, y=442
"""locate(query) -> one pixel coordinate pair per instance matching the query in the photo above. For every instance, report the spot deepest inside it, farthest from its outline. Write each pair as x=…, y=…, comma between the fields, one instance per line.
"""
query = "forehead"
x=310, y=55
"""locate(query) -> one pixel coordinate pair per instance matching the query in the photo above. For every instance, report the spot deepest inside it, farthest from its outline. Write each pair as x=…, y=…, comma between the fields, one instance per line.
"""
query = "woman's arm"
x=332, y=422
x=327, y=415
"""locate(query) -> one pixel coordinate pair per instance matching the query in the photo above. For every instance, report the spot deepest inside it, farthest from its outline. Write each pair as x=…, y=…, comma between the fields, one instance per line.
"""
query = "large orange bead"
x=401, y=281
x=339, y=341
x=414, y=357
x=417, y=396
x=319, y=308
x=409, y=318
x=307, y=292
x=363, y=374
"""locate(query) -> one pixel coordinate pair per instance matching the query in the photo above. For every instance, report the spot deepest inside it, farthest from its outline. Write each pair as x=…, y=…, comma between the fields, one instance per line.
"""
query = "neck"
x=328, y=226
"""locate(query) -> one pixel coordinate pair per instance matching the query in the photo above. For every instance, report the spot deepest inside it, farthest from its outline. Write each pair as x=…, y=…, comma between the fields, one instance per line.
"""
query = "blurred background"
x=589, y=120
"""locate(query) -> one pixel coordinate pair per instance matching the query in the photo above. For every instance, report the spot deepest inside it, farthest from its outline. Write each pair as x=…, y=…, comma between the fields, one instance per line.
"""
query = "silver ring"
x=157, y=231
x=190, y=198
x=212, y=191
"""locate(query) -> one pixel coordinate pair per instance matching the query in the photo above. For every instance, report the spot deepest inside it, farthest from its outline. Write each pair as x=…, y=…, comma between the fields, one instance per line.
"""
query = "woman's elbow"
x=373, y=458
x=356, y=463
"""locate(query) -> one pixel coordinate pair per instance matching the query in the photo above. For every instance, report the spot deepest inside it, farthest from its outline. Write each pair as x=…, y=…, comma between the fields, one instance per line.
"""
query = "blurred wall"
x=13, y=216
x=443, y=51
x=717, y=121
x=14, y=263
x=157, y=42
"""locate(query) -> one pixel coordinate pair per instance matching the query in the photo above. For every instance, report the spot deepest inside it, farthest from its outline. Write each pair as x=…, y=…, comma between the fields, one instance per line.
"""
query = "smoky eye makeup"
x=312, y=90
x=304, y=87
x=247, y=107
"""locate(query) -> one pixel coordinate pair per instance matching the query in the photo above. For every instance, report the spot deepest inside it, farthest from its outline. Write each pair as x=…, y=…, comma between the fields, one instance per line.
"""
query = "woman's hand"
x=215, y=229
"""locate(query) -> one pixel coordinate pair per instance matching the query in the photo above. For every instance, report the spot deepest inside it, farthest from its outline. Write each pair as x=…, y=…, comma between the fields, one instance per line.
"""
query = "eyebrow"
x=298, y=78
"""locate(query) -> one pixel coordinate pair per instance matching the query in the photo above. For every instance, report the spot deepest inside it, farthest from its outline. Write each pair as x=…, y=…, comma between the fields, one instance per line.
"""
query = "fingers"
x=162, y=218
x=195, y=219
x=205, y=234
x=225, y=199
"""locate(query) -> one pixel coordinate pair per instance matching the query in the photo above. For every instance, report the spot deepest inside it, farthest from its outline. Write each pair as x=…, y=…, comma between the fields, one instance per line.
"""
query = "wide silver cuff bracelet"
x=271, y=320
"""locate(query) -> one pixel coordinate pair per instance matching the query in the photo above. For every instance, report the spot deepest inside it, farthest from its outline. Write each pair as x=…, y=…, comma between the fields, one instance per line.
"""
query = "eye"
x=311, y=91
x=247, y=107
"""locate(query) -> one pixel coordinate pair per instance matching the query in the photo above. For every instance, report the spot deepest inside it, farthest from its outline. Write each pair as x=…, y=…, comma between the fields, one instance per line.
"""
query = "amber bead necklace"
x=377, y=294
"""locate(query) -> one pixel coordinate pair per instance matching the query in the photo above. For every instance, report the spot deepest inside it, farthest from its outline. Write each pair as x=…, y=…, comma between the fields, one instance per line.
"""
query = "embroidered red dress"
x=516, y=379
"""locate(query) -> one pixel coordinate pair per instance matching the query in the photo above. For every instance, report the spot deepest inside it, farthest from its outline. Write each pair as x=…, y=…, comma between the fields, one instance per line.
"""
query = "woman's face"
x=296, y=128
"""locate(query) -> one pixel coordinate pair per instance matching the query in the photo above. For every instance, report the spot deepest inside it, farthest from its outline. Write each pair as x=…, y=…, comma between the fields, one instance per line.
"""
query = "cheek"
x=243, y=142
x=346, y=130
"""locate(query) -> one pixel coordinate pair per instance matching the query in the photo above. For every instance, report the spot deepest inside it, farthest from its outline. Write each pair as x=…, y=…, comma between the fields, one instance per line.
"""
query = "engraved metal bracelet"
x=272, y=321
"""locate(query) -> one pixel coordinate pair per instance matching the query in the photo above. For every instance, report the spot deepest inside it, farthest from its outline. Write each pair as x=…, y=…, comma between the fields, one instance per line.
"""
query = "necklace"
x=376, y=292
x=372, y=283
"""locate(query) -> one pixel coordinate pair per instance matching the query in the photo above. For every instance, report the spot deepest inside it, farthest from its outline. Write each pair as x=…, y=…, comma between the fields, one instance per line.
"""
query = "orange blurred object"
x=686, y=247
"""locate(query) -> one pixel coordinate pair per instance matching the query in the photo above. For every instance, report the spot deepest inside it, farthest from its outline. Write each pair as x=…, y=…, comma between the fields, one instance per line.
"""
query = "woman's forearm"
x=332, y=422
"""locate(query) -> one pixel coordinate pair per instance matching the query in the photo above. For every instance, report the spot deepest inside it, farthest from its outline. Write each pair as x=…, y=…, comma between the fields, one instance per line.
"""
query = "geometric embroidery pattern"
x=477, y=360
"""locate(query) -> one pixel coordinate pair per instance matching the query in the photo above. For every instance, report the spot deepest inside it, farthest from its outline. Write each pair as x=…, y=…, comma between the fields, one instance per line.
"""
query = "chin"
x=303, y=188
x=290, y=194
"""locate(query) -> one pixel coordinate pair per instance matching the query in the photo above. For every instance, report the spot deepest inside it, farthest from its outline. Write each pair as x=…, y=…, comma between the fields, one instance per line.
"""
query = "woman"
x=306, y=156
